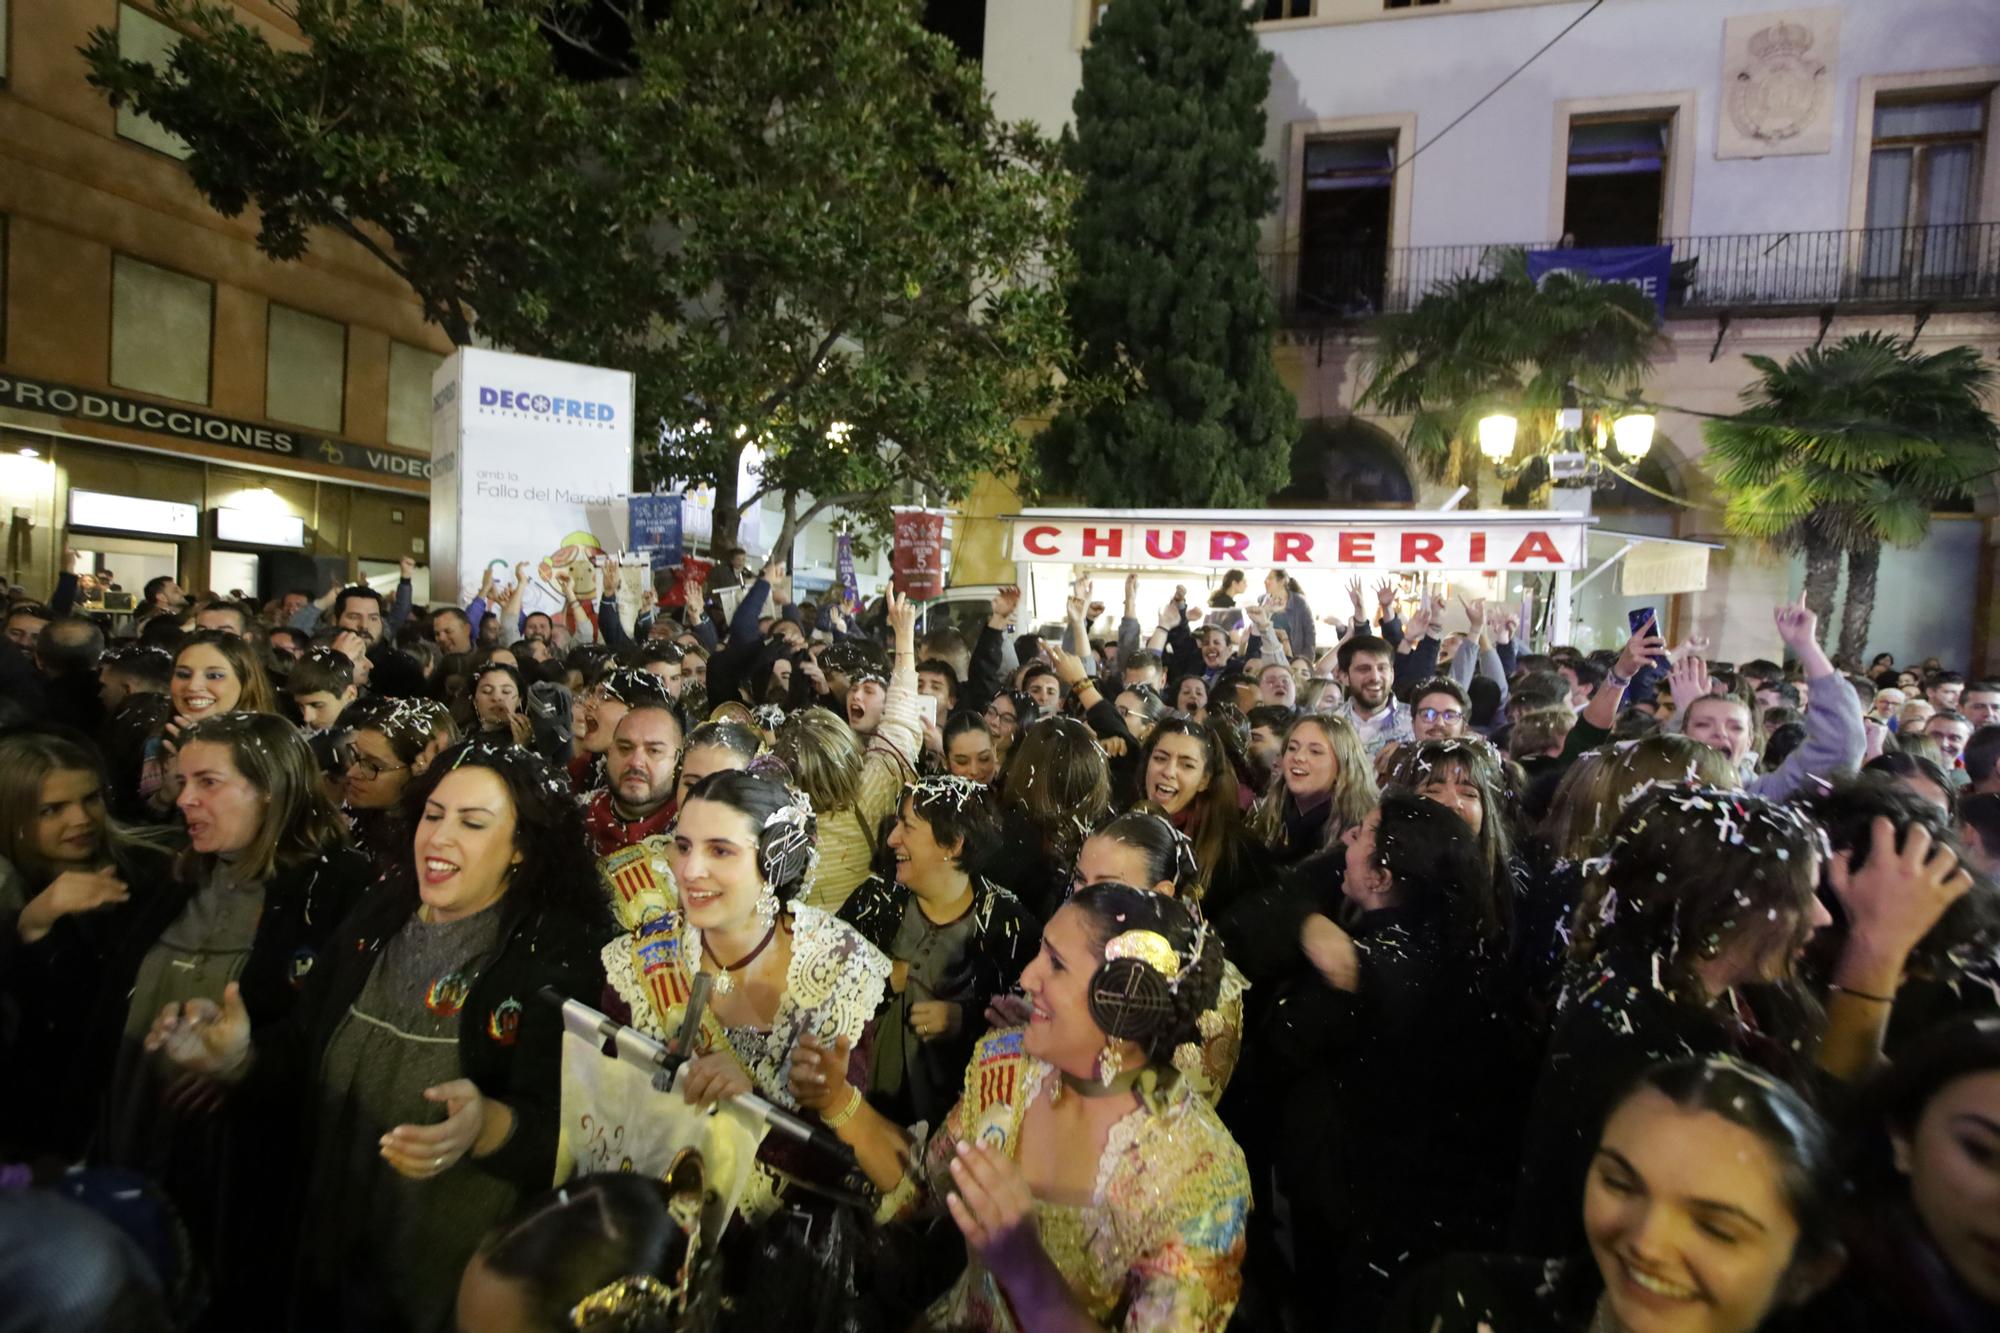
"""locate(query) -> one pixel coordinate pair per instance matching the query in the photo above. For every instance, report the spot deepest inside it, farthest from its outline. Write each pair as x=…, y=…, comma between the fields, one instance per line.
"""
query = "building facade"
x=1816, y=171
x=171, y=401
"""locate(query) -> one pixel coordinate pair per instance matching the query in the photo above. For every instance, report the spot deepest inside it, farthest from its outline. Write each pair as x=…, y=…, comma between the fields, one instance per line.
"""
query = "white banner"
x=530, y=462
x=1224, y=539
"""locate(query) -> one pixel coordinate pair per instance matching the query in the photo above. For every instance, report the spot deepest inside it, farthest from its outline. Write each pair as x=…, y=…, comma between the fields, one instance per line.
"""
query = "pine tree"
x=1168, y=307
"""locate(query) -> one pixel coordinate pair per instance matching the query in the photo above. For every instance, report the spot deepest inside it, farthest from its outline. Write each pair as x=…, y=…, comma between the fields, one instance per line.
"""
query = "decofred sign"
x=1303, y=539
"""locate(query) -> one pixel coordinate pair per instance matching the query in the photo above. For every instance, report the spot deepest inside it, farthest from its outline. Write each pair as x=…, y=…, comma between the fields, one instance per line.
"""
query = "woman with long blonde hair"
x=1321, y=785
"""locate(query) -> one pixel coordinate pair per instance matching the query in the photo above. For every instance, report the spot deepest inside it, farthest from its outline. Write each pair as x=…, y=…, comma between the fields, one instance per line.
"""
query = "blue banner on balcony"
x=1647, y=267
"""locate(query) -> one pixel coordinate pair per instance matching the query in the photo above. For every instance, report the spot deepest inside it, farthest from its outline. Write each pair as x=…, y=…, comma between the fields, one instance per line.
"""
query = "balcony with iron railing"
x=1885, y=268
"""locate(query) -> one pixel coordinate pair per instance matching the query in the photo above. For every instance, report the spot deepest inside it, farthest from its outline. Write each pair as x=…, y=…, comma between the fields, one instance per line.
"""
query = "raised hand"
x=903, y=620
x=1385, y=595
x=1894, y=900
x=1798, y=624
x=1004, y=603
x=1688, y=681
x=1132, y=595
x=1475, y=615
x=1354, y=594
x=1644, y=645
x=1069, y=667
x=406, y=567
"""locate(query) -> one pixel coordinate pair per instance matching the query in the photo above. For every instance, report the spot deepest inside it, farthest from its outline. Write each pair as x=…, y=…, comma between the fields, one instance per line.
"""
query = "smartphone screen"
x=1637, y=619
x=927, y=709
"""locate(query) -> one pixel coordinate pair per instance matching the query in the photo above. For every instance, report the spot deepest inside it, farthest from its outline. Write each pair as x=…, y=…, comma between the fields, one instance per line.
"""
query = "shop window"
x=410, y=371
x=162, y=323
x=1345, y=219
x=1617, y=180
x=1287, y=9
x=1923, y=185
x=143, y=38
x=306, y=369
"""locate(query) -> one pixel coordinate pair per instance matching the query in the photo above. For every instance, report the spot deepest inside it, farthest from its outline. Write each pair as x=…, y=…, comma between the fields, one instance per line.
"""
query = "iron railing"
x=1882, y=267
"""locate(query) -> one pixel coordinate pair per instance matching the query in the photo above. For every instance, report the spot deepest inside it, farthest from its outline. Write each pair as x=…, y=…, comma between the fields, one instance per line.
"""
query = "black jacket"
x=1005, y=938
x=53, y=986
x=303, y=906
x=509, y=1038
x=1401, y=1103
x=1497, y=1293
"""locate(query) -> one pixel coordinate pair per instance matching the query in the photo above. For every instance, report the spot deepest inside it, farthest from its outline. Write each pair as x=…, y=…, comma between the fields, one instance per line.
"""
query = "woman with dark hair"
x=502, y=710
x=714, y=747
x=615, y=1252
x=1395, y=1085
x=1920, y=773
x=1185, y=773
x=954, y=940
x=1711, y=1204
x=383, y=746
x=1687, y=943
x=1053, y=786
x=1321, y=786
x=1466, y=777
x=1189, y=697
x=67, y=875
x=1007, y=715
x=970, y=750
x=1145, y=850
x=423, y=1046
x=745, y=848
x=1095, y=1188
x=1920, y=1223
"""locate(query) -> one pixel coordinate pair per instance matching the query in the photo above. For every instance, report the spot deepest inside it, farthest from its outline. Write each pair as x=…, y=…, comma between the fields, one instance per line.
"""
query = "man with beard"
x=638, y=803
x=604, y=706
x=1367, y=671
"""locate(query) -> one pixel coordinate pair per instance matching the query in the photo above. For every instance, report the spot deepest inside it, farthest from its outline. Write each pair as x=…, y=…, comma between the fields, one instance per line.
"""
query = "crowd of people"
x=1246, y=968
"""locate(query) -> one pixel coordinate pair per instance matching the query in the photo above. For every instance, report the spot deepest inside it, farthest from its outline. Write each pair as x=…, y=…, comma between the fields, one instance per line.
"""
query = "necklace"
x=744, y=961
x=1091, y=1088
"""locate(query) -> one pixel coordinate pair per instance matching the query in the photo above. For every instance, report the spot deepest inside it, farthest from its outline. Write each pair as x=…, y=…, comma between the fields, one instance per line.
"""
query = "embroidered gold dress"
x=1207, y=1065
x=833, y=988
x=1160, y=1244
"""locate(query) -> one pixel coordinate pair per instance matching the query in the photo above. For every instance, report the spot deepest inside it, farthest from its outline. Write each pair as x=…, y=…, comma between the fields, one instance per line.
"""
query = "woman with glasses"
x=1007, y=714
x=384, y=745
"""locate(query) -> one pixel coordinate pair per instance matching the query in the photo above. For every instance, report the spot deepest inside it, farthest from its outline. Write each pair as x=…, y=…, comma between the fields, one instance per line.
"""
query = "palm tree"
x=1487, y=342
x=1844, y=449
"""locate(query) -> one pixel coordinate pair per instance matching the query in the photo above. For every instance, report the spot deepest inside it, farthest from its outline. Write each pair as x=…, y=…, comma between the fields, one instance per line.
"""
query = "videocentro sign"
x=553, y=409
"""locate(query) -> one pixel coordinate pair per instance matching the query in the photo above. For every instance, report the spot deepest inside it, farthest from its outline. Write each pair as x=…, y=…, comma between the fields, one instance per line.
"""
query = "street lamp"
x=1633, y=434
x=1496, y=437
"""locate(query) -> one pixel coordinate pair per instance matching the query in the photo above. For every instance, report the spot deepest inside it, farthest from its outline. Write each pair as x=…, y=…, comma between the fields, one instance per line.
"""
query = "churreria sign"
x=552, y=409
x=185, y=423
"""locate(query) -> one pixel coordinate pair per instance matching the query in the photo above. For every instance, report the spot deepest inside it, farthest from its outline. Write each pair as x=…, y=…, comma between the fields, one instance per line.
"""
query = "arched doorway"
x=1346, y=464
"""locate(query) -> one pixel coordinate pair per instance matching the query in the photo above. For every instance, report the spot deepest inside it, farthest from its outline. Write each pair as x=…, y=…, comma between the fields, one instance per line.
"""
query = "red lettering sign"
x=1357, y=548
x=1109, y=542
x=1039, y=541
x=1224, y=545
x=1539, y=546
x=1478, y=547
x=1422, y=546
x=1290, y=546
x=1153, y=543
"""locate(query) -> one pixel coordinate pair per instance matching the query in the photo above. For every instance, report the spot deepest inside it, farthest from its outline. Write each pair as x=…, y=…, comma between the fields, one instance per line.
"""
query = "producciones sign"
x=189, y=423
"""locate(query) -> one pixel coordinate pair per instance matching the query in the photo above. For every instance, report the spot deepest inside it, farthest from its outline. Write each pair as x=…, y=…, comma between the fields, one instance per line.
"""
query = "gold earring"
x=1110, y=1063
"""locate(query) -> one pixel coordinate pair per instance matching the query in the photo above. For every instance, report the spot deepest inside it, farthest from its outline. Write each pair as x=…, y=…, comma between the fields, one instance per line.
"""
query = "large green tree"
x=1498, y=342
x=797, y=221
x=1845, y=449
x=1171, y=314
